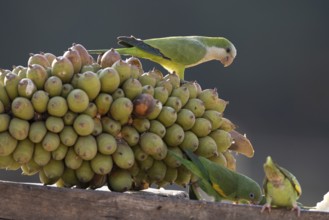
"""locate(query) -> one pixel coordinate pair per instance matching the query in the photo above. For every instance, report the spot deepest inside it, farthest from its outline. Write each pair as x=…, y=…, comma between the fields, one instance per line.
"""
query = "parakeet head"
x=272, y=172
x=248, y=190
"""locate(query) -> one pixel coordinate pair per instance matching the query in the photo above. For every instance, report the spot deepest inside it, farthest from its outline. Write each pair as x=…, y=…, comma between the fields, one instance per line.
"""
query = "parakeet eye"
x=228, y=50
x=251, y=195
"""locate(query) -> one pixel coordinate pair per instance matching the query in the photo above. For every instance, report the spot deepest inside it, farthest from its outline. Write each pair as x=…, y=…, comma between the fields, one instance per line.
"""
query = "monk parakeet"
x=281, y=188
x=177, y=53
x=219, y=182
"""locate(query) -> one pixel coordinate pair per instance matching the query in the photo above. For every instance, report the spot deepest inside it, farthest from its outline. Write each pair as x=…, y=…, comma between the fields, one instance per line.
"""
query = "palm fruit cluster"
x=77, y=121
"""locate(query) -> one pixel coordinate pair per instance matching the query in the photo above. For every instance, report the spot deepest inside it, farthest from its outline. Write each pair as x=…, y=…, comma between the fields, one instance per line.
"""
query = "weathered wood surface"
x=28, y=201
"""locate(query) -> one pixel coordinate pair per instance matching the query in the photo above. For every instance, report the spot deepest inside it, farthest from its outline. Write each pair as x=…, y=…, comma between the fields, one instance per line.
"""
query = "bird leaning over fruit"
x=177, y=53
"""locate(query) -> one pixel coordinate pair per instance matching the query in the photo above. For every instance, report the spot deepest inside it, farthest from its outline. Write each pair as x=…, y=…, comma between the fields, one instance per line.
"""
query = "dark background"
x=277, y=86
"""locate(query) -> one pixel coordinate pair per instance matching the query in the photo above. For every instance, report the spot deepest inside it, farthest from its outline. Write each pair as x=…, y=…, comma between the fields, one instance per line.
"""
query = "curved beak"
x=226, y=61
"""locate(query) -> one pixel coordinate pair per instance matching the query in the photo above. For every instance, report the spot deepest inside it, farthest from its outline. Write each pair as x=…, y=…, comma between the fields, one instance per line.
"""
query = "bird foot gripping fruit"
x=78, y=122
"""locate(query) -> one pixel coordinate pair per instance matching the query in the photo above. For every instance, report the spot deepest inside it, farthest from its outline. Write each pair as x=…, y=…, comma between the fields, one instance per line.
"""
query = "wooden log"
x=28, y=201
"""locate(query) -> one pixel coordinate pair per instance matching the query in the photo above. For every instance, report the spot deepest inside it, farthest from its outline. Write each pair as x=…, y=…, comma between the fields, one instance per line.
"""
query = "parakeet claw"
x=297, y=208
x=266, y=206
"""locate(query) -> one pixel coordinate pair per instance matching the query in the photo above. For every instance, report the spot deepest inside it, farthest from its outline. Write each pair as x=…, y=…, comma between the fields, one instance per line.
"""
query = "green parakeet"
x=219, y=182
x=177, y=53
x=281, y=188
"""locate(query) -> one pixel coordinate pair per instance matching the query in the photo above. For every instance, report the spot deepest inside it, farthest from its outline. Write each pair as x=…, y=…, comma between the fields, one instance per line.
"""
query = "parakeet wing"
x=292, y=179
x=198, y=163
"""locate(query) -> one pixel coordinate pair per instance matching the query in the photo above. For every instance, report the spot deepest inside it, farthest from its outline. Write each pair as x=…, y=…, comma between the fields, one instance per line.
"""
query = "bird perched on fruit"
x=177, y=53
x=219, y=182
x=281, y=187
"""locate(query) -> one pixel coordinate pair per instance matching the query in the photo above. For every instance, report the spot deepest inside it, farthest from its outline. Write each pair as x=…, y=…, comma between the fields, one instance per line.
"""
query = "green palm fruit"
x=66, y=89
x=45, y=180
x=124, y=70
x=209, y=96
x=72, y=160
x=192, y=88
x=157, y=128
x=57, y=106
x=220, y=105
x=22, y=72
x=140, y=155
x=161, y=94
x=50, y=57
x=51, y=141
x=84, y=55
x=110, y=126
x=222, y=138
x=132, y=88
x=171, y=175
x=83, y=125
x=121, y=109
x=230, y=159
x=196, y=106
x=39, y=59
x=202, y=127
x=124, y=156
x=219, y=159
x=109, y=58
x=190, y=142
x=148, y=90
x=162, y=154
x=156, y=74
x=152, y=144
x=54, y=169
x=11, y=81
x=2, y=107
x=40, y=155
x=186, y=119
x=134, y=170
x=16, y=69
x=37, y=131
x=74, y=80
x=118, y=93
x=103, y=103
x=106, y=144
x=144, y=105
x=141, y=124
x=167, y=116
x=40, y=101
x=146, y=79
x=207, y=147
x=182, y=93
x=90, y=83
x=74, y=57
x=183, y=176
x=4, y=98
x=22, y=108
x=68, y=136
x=37, y=74
x=24, y=151
x=174, y=135
x=7, y=143
x=87, y=68
x=97, y=181
x=86, y=147
x=136, y=67
x=120, y=180
x=227, y=125
x=158, y=171
x=101, y=164
x=170, y=160
x=166, y=84
x=19, y=128
x=60, y=152
x=91, y=110
x=146, y=164
x=141, y=181
x=130, y=135
x=53, y=86
x=62, y=68
x=69, y=117
x=69, y=178
x=77, y=100
x=173, y=79
x=174, y=102
x=5, y=119
x=156, y=111
x=54, y=124
x=109, y=79
x=214, y=117
x=98, y=128
x=26, y=88
x=30, y=168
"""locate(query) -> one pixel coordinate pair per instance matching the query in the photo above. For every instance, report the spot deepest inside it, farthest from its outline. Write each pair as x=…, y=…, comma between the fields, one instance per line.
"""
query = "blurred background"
x=277, y=87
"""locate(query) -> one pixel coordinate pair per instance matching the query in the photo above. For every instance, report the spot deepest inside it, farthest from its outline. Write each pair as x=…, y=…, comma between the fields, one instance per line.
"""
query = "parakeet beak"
x=226, y=61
